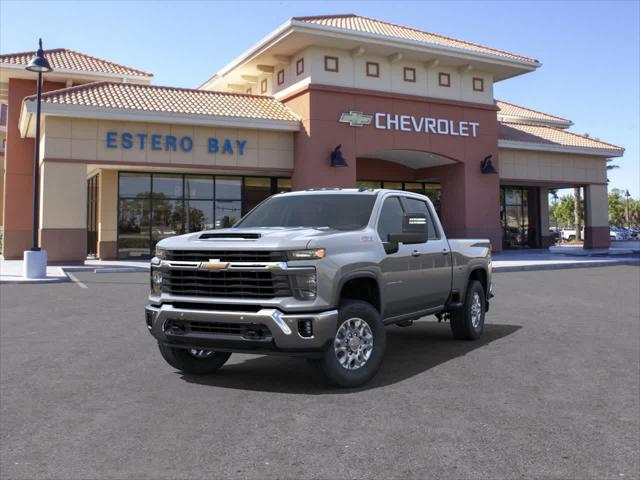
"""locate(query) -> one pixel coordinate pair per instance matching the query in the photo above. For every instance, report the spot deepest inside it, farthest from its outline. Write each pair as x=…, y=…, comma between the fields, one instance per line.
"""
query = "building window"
x=280, y=77
x=155, y=206
x=331, y=64
x=444, y=79
x=478, y=84
x=263, y=86
x=300, y=66
x=248, y=91
x=373, y=69
x=409, y=74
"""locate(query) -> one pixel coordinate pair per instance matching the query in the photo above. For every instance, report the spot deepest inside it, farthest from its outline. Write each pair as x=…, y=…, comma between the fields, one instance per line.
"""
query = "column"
x=63, y=211
x=596, y=216
x=107, y=214
x=546, y=240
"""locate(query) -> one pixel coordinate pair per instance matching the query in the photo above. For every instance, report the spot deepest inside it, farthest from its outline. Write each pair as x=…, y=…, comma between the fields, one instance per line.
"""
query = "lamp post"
x=35, y=260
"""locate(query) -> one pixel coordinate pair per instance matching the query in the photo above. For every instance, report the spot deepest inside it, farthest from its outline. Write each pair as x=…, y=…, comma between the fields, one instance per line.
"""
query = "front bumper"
x=266, y=330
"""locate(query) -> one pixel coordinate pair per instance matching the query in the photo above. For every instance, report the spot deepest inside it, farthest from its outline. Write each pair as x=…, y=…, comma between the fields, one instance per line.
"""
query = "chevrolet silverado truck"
x=318, y=274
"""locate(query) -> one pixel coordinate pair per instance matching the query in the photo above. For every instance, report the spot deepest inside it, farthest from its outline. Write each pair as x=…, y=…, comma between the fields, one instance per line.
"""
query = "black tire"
x=330, y=363
x=462, y=325
x=181, y=359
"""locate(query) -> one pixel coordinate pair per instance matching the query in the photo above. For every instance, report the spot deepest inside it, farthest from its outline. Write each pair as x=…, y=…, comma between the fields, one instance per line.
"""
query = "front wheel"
x=194, y=360
x=467, y=322
x=356, y=352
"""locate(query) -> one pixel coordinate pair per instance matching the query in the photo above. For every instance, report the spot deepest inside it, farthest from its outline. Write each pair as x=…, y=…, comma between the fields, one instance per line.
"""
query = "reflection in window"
x=256, y=189
x=168, y=218
x=167, y=186
x=133, y=227
x=284, y=185
x=199, y=215
x=135, y=184
x=200, y=188
x=230, y=209
x=228, y=188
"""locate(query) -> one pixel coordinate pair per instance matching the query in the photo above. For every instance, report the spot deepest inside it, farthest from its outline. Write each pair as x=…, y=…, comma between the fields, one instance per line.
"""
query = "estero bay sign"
x=171, y=143
x=411, y=123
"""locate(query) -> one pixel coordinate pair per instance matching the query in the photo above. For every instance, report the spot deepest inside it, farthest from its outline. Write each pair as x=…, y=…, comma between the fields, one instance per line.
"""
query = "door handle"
x=415, y=253
x=445, y=252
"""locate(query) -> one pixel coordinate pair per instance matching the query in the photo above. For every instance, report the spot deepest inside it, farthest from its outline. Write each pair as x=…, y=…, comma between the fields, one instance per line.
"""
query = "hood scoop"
x=231, y=236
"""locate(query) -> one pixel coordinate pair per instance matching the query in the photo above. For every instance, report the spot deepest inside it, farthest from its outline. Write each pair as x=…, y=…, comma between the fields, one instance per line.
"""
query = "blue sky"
x=589, y=50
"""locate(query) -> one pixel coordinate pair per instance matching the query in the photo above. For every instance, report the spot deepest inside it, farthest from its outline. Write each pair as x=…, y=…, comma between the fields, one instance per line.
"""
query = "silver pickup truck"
x=318, y=274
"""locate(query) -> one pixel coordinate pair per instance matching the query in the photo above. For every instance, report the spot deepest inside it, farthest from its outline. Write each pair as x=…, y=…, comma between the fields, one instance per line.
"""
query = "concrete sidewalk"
x=507, y=261
x=11, y=270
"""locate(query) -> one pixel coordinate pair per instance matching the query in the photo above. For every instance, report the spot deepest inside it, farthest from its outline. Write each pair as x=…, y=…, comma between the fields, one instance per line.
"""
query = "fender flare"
x=355, y=275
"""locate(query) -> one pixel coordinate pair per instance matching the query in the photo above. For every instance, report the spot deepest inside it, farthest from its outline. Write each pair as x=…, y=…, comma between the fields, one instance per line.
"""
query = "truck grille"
x=225, y=255
x=251, y=331
x=234, y=284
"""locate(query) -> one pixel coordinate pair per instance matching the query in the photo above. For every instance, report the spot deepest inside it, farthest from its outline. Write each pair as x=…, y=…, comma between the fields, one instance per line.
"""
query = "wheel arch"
x=361, y=285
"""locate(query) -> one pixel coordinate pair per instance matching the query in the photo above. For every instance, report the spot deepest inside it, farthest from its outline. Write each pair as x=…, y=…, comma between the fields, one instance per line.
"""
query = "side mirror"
x=414, y=229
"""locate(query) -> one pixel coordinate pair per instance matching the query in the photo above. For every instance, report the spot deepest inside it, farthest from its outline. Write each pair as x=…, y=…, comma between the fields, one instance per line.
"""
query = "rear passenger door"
x=433, y=258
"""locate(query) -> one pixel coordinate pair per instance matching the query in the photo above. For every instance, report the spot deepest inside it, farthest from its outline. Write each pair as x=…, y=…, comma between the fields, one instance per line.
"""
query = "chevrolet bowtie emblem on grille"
x=213, y=265
x=356, y=119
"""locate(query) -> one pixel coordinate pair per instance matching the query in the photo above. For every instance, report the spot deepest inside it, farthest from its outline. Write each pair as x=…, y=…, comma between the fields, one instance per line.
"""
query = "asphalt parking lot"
x=551, y=391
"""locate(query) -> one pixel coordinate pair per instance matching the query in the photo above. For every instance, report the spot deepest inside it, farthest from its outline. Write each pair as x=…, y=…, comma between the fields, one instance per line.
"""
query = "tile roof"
x=544, y=135
x=512, y=110
x=152, y=98
x=370, y=25
x=65, y=59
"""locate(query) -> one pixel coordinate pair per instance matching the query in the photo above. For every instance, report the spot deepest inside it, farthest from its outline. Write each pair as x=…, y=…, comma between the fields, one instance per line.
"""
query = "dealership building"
x=330, y=101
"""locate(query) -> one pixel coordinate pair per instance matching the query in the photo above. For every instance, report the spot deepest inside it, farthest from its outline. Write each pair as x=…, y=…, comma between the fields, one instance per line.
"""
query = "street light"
x=626, y=208
x=35, y=260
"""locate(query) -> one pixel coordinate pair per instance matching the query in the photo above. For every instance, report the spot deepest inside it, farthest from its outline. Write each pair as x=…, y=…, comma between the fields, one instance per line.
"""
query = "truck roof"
x=341, y=191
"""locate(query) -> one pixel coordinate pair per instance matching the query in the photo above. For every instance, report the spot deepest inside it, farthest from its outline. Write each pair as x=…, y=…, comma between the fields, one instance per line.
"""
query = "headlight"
x=312, y=254
x=160, y=254
x=156, y=282
x=305, y=287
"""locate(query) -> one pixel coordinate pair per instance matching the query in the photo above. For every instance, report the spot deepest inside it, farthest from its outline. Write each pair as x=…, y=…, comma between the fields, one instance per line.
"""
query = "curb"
x=565, y=266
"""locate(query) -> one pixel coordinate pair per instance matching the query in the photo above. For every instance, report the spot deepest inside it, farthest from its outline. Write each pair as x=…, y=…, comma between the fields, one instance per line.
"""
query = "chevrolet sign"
x=355, y=119
x=213, y=265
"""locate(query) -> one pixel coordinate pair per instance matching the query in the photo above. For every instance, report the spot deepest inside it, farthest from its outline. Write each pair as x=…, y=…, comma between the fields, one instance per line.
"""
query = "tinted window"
x=340, y=211
x=418, y=206
x=390, y=218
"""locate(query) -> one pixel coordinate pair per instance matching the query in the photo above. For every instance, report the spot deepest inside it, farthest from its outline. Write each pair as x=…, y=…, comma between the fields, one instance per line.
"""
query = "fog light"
x=156, y=281
x=149, y=318
x=305, y=328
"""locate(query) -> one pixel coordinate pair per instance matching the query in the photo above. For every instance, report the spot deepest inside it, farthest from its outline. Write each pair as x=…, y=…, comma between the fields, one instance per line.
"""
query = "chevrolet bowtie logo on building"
x=213, y=265
x=356, y=119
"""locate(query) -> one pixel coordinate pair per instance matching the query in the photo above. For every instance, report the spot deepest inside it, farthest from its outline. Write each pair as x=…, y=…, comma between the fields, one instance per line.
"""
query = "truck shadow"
x=410, y=352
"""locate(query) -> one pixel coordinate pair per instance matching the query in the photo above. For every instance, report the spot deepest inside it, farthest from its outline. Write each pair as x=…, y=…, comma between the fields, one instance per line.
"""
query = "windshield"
x=341, y=211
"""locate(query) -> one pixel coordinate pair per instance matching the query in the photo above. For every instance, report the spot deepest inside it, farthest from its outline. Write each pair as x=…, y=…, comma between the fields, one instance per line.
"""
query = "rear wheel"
x=195, y=360
x=467, y=322
x=356, y=352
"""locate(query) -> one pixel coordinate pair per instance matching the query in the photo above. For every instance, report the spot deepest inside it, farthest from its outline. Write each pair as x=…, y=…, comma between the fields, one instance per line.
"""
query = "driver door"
x=401, y=275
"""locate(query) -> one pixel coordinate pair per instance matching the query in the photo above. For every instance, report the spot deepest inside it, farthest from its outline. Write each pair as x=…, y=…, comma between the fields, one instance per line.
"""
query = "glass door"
x=92, y=216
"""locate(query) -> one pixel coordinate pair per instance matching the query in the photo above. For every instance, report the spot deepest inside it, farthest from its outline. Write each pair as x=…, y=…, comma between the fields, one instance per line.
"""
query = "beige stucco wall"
x=352, y=73
x=63, y=196
x=108, y=206
x=81, y=139
x=552, y=167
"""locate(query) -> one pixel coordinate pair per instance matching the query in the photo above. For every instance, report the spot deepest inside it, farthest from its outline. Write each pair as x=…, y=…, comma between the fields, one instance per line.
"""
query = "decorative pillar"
x=596, y=217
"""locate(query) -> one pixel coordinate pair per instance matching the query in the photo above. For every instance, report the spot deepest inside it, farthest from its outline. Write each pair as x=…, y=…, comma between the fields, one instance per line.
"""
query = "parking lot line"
x=75, y=280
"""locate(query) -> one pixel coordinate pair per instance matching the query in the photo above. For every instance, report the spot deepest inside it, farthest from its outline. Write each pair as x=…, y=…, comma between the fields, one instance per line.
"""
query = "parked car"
x=617, y=233
x=316, y=274
x=569, y=234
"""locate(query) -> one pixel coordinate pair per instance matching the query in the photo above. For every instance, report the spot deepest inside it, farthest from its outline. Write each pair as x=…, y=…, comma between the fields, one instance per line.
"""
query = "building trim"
x=66, y=72
x=290, y=95
x=129, y=115
x=533, y=121
x=523, y=182
x=544, y=147
x=295, y=26
x=172, y=166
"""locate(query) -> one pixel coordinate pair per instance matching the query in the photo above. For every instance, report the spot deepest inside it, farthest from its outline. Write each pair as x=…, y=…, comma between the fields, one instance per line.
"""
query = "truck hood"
x=271, y=238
